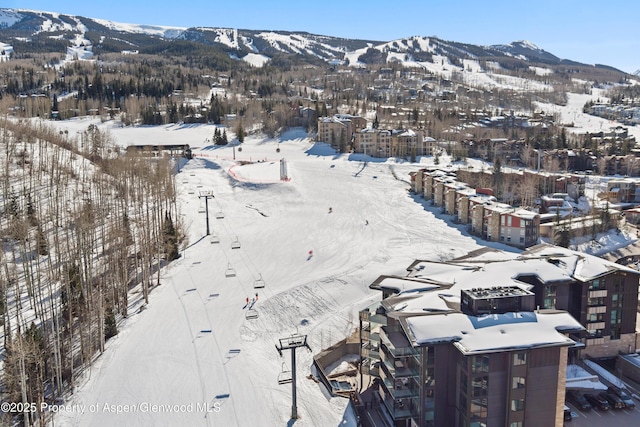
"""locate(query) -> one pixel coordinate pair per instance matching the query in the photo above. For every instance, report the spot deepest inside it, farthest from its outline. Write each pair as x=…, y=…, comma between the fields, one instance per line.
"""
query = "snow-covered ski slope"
x=193, y=345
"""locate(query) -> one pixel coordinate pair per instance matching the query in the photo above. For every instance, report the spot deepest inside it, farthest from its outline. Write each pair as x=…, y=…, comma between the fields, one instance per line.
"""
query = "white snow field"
x=191, y=358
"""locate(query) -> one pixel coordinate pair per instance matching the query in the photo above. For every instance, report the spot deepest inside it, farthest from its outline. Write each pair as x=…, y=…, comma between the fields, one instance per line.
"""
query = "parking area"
x=612, y=417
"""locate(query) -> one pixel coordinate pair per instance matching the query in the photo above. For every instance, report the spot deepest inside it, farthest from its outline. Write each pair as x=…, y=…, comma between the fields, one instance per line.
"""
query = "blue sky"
x=587, y=31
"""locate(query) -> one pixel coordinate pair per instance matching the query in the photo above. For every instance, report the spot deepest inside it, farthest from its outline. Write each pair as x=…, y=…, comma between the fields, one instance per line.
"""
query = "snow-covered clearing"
x=583, y=123
x=193, y=346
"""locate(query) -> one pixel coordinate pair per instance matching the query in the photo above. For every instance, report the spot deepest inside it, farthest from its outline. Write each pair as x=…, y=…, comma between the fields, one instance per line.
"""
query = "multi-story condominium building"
x=493, y=221
x=484, y=340
x=623, y=190
x=499, y=222
x=338, y=130
x=392, y=143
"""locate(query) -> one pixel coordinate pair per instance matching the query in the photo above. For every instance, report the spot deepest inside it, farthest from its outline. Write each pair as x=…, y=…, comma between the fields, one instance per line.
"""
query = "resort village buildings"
x=485, y=339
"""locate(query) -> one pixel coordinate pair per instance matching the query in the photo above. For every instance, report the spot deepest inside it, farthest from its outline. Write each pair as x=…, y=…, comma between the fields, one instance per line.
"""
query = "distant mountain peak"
x=526, y=44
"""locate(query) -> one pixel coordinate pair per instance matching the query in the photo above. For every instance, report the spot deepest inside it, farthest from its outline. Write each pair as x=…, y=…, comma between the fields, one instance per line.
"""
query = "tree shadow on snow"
x=208, y=164
x=322, y=149
x=449, y=220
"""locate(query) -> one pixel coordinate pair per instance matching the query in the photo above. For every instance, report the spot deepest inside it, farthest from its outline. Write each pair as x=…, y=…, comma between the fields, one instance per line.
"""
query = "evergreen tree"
x=342, y=143
x=31, y=212
x=217, y=137
x=14, y=207
x=54, y=107
x=170, y=239
x=73, y=299
x=110, y=325
x=128, y=238
x=605, y=218
x=562, y=234
x=497, y=175
x=240, y=133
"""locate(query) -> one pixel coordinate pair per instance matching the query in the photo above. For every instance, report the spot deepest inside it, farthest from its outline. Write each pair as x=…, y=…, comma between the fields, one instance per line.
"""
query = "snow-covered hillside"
x=193, y=344
x=413, y=51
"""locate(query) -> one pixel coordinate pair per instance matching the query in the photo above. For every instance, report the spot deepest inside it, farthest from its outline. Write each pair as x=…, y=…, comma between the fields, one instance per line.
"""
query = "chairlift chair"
x=219, y=215
x=235, y=244
x=230, y=271
x=214, y=238
x=251, y=313
x=285, y=376
x=258, y=283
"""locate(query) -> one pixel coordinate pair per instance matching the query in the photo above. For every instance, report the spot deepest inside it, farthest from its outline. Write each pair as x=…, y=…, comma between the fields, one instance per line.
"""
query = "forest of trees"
x=82, y=225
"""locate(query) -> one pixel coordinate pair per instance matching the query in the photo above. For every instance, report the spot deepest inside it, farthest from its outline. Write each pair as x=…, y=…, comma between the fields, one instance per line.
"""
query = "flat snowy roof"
x=493, y=332
x=427, y=301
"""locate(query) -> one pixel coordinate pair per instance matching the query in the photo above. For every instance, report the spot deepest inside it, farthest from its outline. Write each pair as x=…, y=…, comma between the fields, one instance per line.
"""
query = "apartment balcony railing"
x=401, y=389
x=402, y=408
x=371, y=351
x=602, y=293
x=594, y=326
x=370, y=315
x=597, y=309
x=595, y=341
x=396, y=369
x=397, y=343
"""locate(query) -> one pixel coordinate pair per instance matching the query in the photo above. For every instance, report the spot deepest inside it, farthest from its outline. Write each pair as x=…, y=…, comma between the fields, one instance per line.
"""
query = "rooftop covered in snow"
x=428, y=301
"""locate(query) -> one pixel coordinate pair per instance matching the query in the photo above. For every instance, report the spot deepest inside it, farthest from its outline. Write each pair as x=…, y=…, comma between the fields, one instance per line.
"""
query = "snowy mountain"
x=107, y=36
x=527, y=51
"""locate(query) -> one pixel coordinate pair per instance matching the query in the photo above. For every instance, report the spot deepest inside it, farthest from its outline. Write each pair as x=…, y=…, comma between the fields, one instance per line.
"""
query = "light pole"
x=207, y=195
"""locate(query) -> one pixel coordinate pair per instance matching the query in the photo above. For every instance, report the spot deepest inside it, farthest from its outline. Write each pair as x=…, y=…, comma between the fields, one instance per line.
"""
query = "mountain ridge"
x=23, y=24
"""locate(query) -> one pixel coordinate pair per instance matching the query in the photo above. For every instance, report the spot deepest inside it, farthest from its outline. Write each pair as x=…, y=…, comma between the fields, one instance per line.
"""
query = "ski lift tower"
x=207, y=195
x=291, y=343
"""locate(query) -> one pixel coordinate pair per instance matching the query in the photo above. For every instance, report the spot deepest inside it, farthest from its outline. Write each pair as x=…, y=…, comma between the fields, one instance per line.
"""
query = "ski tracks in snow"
x=200, y=333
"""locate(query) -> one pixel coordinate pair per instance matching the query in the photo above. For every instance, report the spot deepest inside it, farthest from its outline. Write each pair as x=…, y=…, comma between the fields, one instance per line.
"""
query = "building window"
x=595, y=317
x=516, y=424
x=549, y=295
x=517, y=405
x=616, y=321
x=479, y=386
x=519, y=359
x=480, y=364
x=597, y=284
x=593, y=302
x=479, y=408
x=518, y=382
